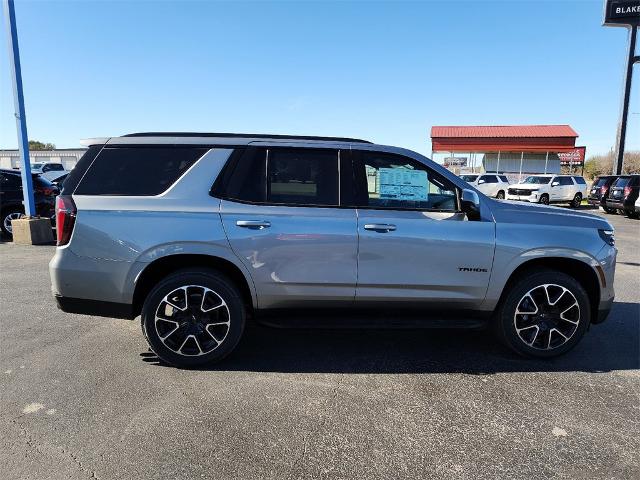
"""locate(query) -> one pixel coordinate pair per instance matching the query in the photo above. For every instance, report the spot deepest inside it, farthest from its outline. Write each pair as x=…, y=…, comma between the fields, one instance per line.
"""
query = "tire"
x=544, y=199
x=609, y=211
x=562, y=324
x=577, y=200
x=7, y=214
x=201, y=317
x=500, y=195
x=631, y=213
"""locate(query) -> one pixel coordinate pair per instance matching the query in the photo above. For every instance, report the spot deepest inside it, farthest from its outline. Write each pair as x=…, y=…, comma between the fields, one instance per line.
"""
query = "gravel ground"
x=81, y=397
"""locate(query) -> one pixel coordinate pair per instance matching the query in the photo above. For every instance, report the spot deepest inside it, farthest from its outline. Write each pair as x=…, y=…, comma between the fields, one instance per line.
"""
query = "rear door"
x=282, y=216
x=416, y=247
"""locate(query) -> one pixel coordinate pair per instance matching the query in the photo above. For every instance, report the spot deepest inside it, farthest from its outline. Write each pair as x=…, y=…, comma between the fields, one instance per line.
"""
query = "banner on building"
x=573, y=157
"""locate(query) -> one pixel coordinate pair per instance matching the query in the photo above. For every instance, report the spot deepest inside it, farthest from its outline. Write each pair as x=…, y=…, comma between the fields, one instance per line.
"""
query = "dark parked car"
x=11, y=200
x=599, y=192
x=624, y=193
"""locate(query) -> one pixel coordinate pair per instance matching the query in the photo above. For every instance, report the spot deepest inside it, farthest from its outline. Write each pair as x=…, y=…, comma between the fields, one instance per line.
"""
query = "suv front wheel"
x=545, y=314
x=193, y=317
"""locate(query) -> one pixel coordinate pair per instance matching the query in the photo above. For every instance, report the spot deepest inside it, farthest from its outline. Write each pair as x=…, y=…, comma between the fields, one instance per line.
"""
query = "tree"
x=603, y=164
x=36, y=145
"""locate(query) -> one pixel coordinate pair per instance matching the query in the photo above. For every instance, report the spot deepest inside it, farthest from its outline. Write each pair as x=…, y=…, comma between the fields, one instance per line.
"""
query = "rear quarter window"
x=137, y=171
x=580, y=180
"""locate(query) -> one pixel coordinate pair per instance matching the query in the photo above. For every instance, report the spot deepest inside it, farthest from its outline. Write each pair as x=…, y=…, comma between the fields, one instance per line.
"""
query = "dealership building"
x=514, y=150
x=68, y=157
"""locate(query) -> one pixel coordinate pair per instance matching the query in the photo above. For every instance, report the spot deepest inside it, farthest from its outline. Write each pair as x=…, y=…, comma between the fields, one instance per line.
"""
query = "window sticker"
x=403, y=184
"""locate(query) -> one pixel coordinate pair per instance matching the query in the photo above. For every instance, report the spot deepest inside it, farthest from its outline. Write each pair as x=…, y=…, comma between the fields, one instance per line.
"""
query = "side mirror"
x=470, y=204
x=555, y=184
x=480, y=182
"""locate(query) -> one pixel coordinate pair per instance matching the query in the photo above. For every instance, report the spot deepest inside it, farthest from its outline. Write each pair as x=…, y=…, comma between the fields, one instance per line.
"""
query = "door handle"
x=380, y=227
x=255, y=224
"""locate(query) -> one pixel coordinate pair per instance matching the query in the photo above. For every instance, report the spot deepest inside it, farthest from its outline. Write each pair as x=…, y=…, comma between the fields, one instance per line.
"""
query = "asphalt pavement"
x=82, y=397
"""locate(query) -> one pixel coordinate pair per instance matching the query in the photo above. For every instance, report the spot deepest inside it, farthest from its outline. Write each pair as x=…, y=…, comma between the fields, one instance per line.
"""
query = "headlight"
x=608, y=237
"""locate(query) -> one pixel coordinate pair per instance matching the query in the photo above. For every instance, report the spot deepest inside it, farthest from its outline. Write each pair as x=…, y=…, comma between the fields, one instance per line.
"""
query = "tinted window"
x=137, y=171
x=52, y=167
x=537, y=180
x=580, y=180
x=81, y=167
x=302, y=176
x=564, y=180
x=489, y=178
x=621, y=182
x=504, y=178
x=283, y=176
x=600, y=181
x=469, y=178
x=10, y=182
x=397, y=182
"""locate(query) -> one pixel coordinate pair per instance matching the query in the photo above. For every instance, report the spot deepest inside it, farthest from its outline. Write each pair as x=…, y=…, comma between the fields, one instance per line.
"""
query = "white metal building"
x=66, y=156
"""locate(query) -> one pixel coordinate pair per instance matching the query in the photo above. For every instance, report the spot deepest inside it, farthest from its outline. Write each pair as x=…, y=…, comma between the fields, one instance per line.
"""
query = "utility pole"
x=21, y=119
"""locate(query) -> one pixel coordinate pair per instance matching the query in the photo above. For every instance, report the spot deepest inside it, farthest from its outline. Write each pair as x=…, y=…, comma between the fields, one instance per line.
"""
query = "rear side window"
x=489, y=178
x=303, y=177
x=504, y=178
x=285, y=176
x=137, y=171
x=580, y=180
x=621, y=182
x=600, y=181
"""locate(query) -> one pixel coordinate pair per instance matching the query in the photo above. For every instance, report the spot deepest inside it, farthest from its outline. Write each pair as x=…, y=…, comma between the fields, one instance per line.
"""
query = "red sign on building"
x=573, y=157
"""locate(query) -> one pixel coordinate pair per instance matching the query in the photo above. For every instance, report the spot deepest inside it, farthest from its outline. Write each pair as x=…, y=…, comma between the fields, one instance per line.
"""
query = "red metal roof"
x=504, y=131
x=506, y=138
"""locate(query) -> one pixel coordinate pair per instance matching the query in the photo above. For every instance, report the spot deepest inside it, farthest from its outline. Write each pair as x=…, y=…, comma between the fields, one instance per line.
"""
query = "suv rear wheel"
x=193, y=317
x=545, y=314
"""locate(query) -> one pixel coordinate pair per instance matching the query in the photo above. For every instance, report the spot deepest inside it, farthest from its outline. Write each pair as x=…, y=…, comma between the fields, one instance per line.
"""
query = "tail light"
x=603, y=189
x=627, y=191
x=65, y=218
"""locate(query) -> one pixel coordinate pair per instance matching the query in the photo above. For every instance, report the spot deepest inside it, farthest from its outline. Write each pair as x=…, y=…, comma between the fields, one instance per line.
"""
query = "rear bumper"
x=598, y=202
x=620, y=205
x=95, y=308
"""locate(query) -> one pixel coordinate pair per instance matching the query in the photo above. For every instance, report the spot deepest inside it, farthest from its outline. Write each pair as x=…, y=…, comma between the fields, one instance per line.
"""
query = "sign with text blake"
x=621, y=12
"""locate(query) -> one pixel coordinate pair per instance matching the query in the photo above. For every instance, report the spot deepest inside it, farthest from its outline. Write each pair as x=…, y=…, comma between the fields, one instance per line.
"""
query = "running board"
x=355, y=321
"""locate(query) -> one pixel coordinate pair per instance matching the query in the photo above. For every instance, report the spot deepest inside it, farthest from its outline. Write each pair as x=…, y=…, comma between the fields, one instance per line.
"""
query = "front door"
x=282, y=218
x=415, y=246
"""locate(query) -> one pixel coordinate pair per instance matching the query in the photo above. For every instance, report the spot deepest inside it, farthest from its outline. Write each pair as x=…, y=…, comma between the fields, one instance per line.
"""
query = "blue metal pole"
x=21, y=118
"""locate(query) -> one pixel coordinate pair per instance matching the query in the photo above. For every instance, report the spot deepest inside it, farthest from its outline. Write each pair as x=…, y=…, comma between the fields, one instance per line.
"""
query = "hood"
x=505, y=211
x=528, y=186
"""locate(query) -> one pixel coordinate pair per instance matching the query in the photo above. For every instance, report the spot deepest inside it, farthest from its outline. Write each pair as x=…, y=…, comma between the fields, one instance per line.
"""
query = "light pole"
x=18, y=98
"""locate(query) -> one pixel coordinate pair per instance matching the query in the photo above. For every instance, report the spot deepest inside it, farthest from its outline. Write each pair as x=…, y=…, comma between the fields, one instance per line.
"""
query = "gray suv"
x=198, y=232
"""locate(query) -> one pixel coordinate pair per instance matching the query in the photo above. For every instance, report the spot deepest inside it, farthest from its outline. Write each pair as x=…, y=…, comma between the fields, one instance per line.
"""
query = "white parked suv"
x=491, y=184
x=548, y=189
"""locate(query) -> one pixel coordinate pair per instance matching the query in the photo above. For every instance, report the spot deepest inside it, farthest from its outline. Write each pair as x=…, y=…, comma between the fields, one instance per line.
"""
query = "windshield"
x=469, y=178
x=37, y=165
x=537, y=180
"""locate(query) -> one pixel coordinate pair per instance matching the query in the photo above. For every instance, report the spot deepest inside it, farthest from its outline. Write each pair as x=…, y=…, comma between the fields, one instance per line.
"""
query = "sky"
x=382, y=71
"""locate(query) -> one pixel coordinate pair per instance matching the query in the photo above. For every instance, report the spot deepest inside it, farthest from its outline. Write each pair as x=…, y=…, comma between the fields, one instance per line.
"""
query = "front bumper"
x=533, y=198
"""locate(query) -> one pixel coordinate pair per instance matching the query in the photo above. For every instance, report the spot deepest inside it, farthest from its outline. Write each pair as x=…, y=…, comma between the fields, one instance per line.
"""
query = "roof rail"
x=245, y=135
